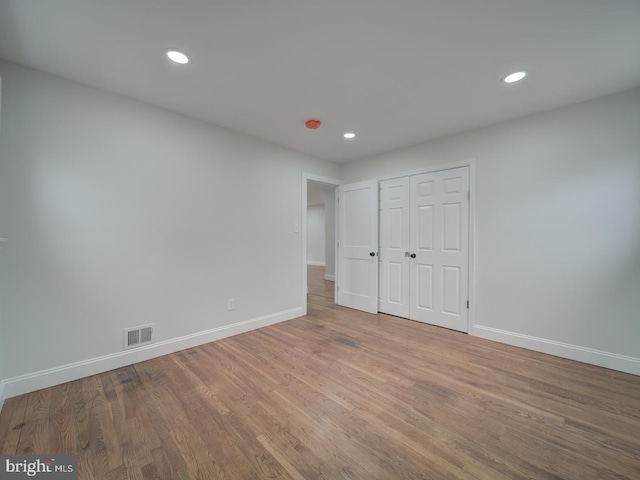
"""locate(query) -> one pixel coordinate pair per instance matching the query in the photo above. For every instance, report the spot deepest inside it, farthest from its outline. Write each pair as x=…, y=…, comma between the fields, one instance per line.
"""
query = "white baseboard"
x=31, y=382
x=601, y=358
x=316, y=264
x=331, y=278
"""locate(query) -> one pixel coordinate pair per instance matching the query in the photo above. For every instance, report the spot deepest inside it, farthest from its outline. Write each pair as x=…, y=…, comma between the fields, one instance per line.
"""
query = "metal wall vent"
x=137, y=336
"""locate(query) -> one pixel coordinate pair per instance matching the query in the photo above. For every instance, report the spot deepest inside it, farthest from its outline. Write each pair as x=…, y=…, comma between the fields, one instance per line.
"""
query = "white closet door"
x=440, y=242
x=358, y=245
x=395, y=209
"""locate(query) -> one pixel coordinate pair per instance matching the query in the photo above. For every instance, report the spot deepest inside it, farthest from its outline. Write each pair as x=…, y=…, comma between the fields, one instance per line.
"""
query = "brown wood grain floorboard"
x=12, y=419
x=339, y=394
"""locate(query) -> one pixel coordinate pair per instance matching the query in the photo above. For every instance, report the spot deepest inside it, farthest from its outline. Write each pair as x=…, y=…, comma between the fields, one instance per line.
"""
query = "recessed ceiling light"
x=514, y=77
x=349, y=135
x=178, y=57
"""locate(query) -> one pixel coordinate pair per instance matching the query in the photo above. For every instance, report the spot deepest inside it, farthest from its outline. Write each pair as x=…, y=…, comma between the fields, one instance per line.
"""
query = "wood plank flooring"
x=339, y=394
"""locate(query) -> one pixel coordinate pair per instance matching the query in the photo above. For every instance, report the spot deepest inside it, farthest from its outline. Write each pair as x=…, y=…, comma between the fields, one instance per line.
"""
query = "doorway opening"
x=318, y=239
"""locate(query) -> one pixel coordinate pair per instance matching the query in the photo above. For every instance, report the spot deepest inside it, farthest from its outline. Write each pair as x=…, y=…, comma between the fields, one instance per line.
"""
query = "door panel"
x=425, y=227
x=356, y=276
x=394, y=247
x=440, y=240
x=451, y=290
x=452, y=185
x=451, y=241
x=356, y=231
x=424, y=188
x=396, y=218
x=424, y=288
x=357, y=239
x=395, y=283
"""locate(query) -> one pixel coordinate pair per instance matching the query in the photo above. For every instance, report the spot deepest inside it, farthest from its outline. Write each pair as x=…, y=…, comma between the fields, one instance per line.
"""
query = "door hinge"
x=468, y=195
x=467, y=304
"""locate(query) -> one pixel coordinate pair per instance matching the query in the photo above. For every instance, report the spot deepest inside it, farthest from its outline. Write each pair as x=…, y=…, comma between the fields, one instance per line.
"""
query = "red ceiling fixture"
x=313, y=124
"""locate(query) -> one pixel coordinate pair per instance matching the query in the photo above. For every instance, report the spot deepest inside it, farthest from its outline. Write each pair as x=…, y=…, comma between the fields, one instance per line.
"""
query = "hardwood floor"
x=340, y=394
x=318, y=286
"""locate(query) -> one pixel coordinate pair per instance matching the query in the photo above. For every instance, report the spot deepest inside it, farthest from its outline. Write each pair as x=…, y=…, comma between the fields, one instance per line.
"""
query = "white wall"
x=2, y=267
x=120, y=214
x=315, y=235
x=557, y=226
x=330, y=234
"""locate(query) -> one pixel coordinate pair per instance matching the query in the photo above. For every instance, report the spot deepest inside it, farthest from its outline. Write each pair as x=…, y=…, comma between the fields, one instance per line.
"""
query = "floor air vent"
x=137, y=336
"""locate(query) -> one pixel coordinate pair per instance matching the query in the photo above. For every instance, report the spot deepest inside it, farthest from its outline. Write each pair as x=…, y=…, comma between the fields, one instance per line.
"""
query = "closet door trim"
x=471, y=163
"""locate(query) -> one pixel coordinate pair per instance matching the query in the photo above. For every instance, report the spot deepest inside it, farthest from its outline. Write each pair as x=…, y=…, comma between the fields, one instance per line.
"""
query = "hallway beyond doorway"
x=318, y=286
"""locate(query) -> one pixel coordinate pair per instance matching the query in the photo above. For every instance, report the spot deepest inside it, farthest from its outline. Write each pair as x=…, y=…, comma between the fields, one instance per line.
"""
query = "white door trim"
x=303, y=229
x=471, y=163
x=435, y=168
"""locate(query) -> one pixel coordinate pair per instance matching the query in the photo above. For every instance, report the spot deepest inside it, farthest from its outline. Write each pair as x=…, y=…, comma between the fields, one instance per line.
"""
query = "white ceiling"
x=395, y=72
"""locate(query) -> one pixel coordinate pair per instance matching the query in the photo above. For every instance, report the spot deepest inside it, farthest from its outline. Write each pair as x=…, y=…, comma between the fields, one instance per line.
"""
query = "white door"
x=357, y=246
x=394, y=246
x=440, y=244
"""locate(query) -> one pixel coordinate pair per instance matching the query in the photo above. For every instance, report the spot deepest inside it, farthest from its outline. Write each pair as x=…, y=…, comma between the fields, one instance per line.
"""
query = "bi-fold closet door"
x=424, y=248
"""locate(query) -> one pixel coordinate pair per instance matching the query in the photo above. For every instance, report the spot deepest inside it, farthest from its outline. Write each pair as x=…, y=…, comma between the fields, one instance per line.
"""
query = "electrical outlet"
x=231, y=304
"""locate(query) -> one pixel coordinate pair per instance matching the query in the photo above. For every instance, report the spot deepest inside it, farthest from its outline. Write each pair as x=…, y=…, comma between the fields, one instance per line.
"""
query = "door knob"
x=413, y=255
x=373, y=254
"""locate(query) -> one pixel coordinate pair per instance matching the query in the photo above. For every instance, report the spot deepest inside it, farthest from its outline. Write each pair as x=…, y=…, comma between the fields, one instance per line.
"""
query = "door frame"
x=471, y=163
x=307, y=177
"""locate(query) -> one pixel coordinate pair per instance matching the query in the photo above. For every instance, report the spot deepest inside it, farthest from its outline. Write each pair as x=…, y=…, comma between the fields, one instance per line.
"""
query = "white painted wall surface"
x=2, y=267
x=121, y=214
x=330, y=233
x=557, y=226
x=315, y=235
x=315, y=193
